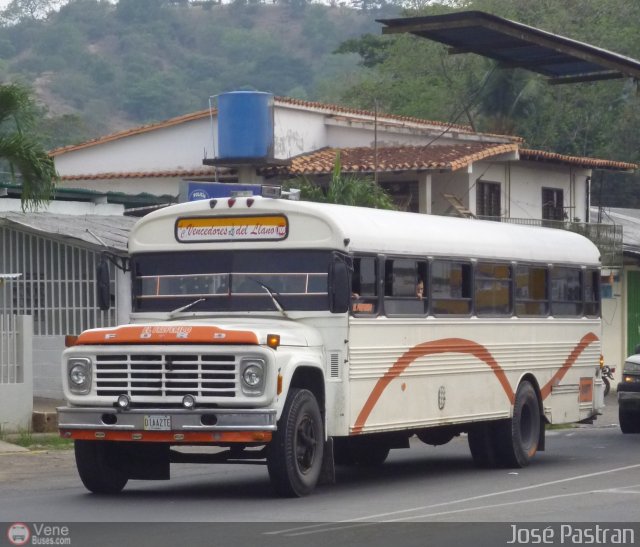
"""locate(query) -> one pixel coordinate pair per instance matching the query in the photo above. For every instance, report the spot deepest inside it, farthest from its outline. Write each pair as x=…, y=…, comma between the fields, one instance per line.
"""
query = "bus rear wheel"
x=482, y=443
x=517, y=438
x=294, y=456
x=97, y=464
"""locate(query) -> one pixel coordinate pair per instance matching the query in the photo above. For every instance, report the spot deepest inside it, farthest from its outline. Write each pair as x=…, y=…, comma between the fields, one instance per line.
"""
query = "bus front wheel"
x=294, y=456
x=97, y=463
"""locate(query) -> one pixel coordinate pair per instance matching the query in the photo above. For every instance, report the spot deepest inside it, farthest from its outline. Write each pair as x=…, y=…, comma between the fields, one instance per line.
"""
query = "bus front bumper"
x=164, y=425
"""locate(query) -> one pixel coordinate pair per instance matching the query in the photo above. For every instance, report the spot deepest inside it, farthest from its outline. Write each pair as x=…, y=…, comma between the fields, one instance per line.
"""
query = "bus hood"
x=229, y=330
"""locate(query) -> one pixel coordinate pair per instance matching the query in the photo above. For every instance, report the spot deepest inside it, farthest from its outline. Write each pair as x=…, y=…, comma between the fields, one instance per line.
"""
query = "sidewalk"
x=609, y=415
x=44, y=420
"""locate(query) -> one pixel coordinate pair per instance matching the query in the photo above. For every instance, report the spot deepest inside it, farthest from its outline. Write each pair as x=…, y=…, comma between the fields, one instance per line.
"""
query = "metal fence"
x=57, y=285
x=11, y=369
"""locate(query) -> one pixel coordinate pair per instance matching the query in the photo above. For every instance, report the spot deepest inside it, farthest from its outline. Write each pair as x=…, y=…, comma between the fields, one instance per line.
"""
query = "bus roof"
x=326, y=226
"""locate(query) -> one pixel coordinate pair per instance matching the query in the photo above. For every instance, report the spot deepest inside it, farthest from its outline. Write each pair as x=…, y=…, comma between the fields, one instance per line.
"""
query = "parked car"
x=629, y=395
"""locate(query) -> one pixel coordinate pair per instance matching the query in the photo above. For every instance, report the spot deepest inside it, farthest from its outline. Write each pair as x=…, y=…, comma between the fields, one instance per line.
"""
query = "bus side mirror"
x=339, y=287
x=103, y=285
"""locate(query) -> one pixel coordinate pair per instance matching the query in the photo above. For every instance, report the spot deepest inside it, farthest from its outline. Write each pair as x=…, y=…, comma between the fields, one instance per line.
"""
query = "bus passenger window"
x=531, y=291
x=404, y=287
x=592, y=293
x=364, y=286
x=451, y=287
x=566, y=292
x=492, y=289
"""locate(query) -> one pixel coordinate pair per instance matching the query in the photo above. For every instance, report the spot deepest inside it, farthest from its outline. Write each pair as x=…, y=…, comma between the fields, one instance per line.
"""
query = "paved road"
x=588, y=474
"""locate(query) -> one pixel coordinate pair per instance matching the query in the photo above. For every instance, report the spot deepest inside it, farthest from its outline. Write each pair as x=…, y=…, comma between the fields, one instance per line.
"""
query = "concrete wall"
x=66, y=207
x=527, y=180
x=16, y=399
x=174, y=147
x=47, y=379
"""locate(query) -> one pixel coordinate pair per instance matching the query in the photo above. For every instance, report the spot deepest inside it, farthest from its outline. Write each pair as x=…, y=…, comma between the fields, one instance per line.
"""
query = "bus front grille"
x=166, y=375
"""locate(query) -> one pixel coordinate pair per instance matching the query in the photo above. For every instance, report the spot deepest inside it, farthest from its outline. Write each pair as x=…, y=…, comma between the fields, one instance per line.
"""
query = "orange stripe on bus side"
x=586, y=340
x=459, y=345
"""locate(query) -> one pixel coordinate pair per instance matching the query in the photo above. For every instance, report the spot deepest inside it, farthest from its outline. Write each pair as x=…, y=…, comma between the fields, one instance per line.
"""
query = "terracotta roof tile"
x=182, y=173
x=389, y=159
x=593, y=163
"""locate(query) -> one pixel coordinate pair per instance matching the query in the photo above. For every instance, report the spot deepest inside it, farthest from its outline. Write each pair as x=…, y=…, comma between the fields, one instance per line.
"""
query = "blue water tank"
x=245, y=125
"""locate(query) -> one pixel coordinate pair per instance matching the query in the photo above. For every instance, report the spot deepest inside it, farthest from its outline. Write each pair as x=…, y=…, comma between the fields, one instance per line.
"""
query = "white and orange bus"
x=295, y=333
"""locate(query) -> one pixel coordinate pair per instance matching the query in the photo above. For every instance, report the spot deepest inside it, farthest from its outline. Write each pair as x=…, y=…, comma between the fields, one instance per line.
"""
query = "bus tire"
x=97, y=464
x=517, y=438
x=482, y=445
x=294, y=456
x=629, y=421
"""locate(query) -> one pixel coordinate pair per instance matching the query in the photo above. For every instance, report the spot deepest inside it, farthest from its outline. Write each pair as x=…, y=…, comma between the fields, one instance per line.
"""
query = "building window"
x=552, y=204
x=488, y=199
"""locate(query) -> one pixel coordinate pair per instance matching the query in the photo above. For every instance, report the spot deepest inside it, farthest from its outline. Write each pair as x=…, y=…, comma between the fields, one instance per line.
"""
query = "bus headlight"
x=79, y=375
x=252, y=372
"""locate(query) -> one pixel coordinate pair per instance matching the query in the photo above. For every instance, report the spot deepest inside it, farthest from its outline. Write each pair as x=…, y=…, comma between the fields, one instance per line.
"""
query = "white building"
x=419, y=161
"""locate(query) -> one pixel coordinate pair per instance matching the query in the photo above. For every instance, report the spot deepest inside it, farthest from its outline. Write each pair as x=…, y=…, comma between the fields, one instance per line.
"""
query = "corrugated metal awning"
x=100, y=232
x=513, y=44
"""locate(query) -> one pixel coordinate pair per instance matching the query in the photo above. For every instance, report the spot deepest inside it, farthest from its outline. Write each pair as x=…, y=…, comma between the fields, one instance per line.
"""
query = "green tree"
x=31, y=9
x=20, y=150
x=345, y=189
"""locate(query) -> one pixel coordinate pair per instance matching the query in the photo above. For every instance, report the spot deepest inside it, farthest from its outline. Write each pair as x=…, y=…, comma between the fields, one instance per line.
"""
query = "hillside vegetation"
x=99, y=67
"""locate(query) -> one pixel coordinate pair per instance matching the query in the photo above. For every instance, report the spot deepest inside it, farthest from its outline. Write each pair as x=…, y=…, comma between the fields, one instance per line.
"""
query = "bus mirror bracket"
x=103, y=284
x=339, y=287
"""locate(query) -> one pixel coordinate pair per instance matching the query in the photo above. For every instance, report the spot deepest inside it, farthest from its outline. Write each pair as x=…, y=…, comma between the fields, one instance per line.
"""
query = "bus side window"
x=404, y=287
x=592, y=293
x=364, y=286
x=531, y=291
x=451, y=287
x=566, y=292
x=492, y=295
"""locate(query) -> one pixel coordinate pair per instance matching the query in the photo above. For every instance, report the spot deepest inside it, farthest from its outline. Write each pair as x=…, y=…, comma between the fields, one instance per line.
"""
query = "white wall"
x=47, y=375
x=296, y=132
x=67, y=207
x=156, y=186
x=614, y=336
x=16, y=399
x=528, y=179
x=174, y=147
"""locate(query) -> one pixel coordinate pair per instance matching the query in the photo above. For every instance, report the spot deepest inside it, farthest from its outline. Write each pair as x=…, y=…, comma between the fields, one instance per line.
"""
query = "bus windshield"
x=220, y=281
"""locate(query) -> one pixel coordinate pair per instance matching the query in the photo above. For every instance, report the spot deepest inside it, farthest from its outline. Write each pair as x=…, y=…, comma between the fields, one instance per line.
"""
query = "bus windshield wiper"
x=273, y=295
x=175, y=312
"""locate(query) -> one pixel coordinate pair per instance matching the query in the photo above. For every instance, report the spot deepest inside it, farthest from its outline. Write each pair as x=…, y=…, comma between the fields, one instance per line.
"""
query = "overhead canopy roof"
x=98, y=232
x=560, y=59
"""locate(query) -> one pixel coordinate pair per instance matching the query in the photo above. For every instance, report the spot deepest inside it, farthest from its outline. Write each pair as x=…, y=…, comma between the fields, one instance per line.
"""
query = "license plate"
x=157, y=423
